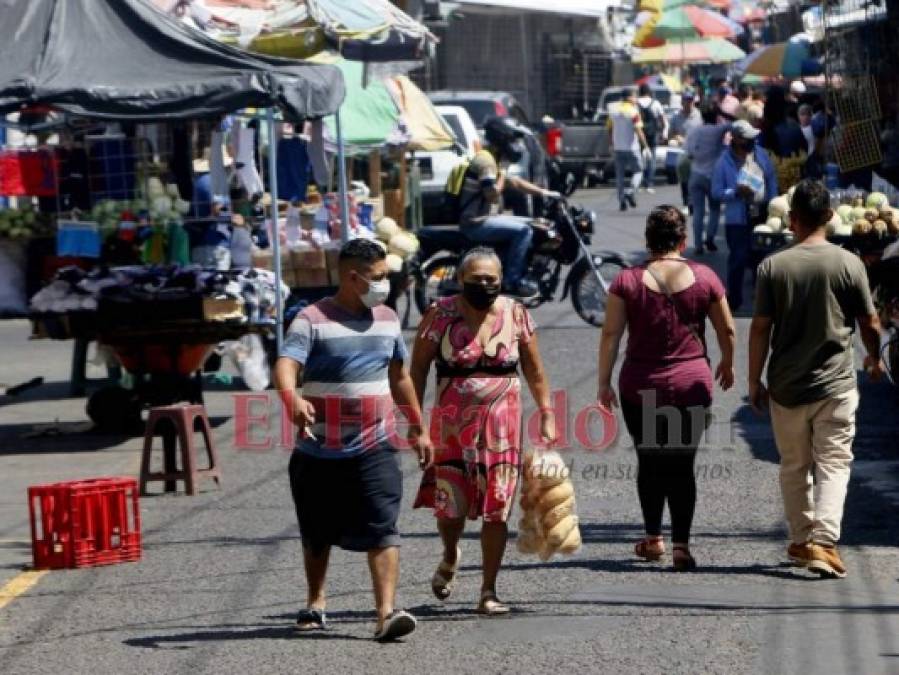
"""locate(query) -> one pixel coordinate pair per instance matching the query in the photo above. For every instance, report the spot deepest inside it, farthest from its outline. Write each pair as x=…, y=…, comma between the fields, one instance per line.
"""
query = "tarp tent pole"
x=275, y=231
x=342, y=187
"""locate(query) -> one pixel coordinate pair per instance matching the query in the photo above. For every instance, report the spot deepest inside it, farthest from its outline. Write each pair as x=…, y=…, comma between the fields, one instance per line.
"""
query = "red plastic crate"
x=84, y=523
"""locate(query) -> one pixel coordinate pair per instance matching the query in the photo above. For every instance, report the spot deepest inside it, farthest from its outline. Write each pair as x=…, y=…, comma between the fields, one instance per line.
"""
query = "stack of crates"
x=85, y=523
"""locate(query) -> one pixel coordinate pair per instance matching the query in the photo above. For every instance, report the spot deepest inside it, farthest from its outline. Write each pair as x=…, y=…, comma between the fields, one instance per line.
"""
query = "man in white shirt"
x=655, y=126
x=626, y=131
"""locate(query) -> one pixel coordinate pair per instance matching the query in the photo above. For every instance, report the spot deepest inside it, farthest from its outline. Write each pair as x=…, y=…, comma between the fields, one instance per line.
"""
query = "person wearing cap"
x=744, y=181
x=794, y=98
x=684, y=121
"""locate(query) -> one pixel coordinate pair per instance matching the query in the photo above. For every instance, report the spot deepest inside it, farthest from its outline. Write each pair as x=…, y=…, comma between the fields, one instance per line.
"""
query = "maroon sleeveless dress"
x=662, y=355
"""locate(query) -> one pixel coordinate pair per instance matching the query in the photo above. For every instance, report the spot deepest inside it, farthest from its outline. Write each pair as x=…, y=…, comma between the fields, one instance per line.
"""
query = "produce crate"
x=85, y=523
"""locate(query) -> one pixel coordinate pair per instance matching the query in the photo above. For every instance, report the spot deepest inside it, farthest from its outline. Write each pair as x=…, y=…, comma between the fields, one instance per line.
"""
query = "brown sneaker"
x=826, y=562
x=800, y=554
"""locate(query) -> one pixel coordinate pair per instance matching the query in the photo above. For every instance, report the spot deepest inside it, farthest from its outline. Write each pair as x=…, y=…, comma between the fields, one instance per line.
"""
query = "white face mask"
x=377, y=293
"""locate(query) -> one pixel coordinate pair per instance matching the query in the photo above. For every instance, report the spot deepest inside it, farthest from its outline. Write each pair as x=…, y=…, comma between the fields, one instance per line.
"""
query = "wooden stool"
x=178, y=424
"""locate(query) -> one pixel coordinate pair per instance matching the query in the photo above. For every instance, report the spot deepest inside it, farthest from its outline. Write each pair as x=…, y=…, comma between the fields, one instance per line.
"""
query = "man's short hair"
x=811, y=203
x=645, y=90
x=363, y=251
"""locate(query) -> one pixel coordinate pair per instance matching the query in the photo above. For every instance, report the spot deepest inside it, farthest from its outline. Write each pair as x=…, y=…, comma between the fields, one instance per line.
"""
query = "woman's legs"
x=650, y=476
x=681, y=476
x=493, y=546
x=450, y=532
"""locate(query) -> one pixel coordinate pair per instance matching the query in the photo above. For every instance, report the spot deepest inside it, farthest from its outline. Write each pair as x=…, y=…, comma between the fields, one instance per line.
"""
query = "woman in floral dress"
x=477, y=339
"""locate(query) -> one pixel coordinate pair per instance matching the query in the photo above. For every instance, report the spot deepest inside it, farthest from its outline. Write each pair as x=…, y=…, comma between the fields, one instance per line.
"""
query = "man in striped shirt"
x=349, y=354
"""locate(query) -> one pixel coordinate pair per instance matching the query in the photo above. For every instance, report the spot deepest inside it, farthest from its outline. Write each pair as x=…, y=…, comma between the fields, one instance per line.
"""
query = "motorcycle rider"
x=485, y=180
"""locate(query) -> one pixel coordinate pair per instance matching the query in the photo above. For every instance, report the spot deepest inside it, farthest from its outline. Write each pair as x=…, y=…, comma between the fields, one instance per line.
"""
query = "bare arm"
x=525, y=186
x=609, y=343
x=869, y=329
x=287, y=374
x=725, y=331
x=423, y=354
x=759, y=342
x=403, y=391
x=535, y=376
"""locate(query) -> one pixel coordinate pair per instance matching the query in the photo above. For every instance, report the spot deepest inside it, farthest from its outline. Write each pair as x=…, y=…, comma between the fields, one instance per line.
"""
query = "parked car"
x=435, y=167
x=482, y=105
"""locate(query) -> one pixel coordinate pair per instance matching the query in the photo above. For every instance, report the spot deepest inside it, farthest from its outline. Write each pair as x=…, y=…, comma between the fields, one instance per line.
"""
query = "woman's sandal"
x=491, y=606
x=310, y=619
x=444, y=579
x=650, y=548
x=683, y=561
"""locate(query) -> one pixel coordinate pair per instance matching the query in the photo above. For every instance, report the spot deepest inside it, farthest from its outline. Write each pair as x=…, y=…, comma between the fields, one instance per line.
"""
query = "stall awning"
x=594, y=8
x=124, y=59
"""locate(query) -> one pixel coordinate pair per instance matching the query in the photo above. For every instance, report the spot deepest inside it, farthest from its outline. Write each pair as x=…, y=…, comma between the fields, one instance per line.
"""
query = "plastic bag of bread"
x=549, y=522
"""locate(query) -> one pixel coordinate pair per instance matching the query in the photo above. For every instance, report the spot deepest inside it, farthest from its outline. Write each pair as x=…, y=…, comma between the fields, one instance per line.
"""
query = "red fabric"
x=662, y=354
x=31, y=173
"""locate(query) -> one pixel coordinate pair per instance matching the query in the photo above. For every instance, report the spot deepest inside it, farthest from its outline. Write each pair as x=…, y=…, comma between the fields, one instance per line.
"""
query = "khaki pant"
x=817, y=436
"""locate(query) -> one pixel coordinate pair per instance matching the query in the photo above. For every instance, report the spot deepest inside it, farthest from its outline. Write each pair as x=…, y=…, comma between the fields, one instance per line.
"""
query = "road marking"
x=19, y=585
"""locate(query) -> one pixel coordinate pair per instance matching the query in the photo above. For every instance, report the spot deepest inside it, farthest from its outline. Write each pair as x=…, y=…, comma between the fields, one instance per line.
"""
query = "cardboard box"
x=223, y=309
x=289, y=277
x=308, y=258
x=311, y=278
x=262, y=258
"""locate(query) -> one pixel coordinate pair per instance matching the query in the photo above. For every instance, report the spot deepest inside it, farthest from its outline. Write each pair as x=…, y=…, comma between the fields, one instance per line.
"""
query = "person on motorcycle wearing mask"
x=484, y=183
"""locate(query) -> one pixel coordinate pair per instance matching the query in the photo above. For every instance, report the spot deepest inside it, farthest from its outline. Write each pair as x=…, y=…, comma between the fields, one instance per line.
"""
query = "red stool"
x=177, y=424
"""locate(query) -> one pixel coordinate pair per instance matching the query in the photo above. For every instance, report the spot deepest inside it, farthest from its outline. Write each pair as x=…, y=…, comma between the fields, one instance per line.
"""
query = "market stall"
x=160, y=319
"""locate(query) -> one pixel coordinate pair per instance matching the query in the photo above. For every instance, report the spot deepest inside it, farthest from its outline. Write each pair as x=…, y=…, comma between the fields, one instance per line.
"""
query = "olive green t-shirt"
x=813, y=293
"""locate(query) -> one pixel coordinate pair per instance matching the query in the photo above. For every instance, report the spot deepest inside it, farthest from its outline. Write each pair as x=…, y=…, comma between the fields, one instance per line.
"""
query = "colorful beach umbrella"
x=711, y=50
x=689, y=22
x=789, y=59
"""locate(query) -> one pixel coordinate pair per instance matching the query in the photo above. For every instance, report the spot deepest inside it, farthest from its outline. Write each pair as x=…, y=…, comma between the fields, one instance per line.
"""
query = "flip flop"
x=444, y=579
x=310, y=619
x=399, y=624
x=491, y=606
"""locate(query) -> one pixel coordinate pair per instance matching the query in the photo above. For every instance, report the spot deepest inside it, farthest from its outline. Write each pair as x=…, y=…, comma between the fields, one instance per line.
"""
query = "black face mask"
x=480, y=296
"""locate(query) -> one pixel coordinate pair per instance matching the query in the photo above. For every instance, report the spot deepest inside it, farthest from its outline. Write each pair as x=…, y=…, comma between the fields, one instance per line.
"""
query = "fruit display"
x=24, y=223
x=395, y=241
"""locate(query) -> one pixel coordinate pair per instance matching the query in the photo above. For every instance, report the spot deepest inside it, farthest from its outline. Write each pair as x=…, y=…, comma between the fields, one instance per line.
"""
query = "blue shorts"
x=353, y=502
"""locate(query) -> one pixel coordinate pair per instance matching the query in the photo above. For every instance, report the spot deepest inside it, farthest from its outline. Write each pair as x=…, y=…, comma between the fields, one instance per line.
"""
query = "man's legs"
x=637, y=177
x=384, y=564
x=316, y=564
x=714, y=214
x=621, y=163
x=833, y=430
x=516, y=233
x=739, y=240
x=793, y=435
x=649, y=172
x=697, y=202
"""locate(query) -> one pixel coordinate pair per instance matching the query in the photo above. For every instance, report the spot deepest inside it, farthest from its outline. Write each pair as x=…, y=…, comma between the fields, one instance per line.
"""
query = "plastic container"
x=85, y=523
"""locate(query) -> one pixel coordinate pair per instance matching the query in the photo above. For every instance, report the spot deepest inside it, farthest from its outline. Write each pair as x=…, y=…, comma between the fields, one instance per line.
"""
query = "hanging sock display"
x=244, y=140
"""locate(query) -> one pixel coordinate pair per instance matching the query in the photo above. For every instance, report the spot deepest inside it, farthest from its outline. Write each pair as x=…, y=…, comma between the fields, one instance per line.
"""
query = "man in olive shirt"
x=809, y=299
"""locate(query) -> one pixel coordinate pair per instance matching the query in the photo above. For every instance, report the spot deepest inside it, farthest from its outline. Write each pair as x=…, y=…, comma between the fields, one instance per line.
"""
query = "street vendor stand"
x=151, y=68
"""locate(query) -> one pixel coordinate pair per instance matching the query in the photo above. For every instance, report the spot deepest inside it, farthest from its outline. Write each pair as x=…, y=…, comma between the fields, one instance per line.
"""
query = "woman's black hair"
x=709, y=112
x=666, y=229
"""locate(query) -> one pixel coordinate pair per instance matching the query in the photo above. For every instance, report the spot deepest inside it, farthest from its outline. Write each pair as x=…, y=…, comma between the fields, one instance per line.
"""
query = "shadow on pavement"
x=232, y=633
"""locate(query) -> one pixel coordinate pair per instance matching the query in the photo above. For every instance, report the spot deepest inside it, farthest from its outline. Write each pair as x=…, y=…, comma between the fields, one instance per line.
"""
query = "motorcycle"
x=561, y=239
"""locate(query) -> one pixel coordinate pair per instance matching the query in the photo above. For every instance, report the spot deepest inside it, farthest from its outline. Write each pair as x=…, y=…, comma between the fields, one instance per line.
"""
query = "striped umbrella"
x=790, y=59
x=711, y=50
x=689, y=22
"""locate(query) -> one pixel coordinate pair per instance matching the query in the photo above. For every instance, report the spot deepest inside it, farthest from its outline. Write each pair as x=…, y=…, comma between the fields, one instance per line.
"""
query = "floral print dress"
x=476, y=422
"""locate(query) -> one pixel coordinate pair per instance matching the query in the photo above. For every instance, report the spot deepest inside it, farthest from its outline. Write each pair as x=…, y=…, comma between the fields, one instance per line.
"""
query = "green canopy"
x=368, y=115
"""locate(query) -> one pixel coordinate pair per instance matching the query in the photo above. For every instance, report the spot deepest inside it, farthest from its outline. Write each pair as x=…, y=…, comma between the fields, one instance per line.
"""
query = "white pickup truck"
x=435, y=167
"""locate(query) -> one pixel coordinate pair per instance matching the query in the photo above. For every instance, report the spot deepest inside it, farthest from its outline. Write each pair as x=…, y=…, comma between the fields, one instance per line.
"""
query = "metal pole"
x=275, y=233
x=342, y=186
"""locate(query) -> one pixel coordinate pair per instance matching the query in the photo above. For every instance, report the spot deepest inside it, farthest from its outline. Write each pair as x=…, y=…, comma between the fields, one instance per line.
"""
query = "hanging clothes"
x=293, y=169
x=217, y=174
x=321, y=167
x=181, y=162
x=244, y=142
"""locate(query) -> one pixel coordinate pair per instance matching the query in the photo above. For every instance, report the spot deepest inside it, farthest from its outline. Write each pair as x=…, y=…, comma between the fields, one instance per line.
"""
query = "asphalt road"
x=220, y=580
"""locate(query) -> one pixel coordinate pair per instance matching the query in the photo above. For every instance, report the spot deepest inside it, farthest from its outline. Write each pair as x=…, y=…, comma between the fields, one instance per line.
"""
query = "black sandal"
x=311, y=619
x=683, y=562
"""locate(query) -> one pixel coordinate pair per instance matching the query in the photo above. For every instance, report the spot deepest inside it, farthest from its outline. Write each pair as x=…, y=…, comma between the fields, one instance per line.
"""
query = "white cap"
x=797, y=87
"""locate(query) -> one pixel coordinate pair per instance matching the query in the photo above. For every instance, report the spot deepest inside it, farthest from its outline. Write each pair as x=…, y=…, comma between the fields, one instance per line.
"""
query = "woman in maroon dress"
x=666, y=380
